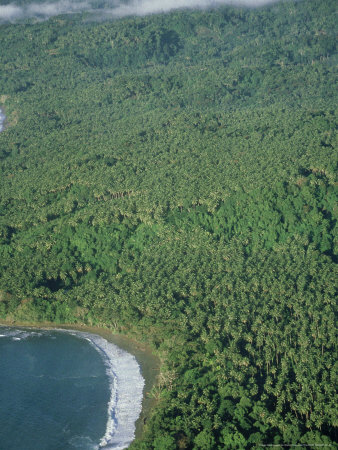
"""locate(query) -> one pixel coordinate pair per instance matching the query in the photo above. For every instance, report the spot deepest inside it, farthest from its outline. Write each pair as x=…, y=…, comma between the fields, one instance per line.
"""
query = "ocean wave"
x=17, y=334
x=83, y=443
x=126, y=387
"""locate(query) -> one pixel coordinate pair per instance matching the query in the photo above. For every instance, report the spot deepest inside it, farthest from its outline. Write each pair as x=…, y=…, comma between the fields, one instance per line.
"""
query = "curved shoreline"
x=147, y=362
x=126, y=390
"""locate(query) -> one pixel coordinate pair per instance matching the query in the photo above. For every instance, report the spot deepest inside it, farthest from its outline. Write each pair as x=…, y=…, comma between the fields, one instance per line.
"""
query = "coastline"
x=148, y=362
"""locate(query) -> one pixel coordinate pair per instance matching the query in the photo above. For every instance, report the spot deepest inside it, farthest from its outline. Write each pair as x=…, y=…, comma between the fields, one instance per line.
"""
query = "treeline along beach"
x=174, y=177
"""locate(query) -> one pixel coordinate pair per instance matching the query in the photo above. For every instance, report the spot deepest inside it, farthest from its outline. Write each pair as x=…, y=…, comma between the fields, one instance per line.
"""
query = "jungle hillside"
x=173, y=177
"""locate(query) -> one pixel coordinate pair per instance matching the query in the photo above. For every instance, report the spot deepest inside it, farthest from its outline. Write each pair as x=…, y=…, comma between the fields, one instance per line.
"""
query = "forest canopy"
x=174, y=177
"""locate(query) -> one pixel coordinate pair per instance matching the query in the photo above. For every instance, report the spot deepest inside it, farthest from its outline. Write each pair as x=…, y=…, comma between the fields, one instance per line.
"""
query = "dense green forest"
x=174, y=177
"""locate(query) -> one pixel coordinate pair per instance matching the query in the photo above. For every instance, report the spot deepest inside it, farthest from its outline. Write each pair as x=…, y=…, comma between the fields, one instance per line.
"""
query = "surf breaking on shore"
x=126, y=385
x=126, y=381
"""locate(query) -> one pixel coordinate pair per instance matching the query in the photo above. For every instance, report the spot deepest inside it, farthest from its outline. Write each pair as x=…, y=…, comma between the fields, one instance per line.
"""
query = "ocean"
x=63, y=390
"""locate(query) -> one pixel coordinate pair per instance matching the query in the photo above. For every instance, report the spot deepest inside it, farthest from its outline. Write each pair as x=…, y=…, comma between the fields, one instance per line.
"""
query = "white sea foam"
x=126, y=385
x=18, y=334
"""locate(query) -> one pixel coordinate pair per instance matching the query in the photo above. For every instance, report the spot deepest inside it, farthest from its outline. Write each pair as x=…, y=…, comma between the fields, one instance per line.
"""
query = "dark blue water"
x=54, y=391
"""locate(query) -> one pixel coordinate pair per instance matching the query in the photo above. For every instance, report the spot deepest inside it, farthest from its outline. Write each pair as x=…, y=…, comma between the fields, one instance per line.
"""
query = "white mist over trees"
x=173, y=177
x=113, y=9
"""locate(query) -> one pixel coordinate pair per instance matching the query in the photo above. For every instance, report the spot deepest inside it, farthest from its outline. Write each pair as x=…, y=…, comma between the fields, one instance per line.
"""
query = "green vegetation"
x=173, y=176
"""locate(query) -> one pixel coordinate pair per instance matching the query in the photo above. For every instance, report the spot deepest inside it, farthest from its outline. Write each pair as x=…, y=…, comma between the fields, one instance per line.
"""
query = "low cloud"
x=13, y=12
x=144, y=7
x=115, y=9
x=8, y=12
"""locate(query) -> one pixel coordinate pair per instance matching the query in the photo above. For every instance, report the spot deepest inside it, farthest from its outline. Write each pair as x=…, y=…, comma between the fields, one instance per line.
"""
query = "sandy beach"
x=149, y=363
